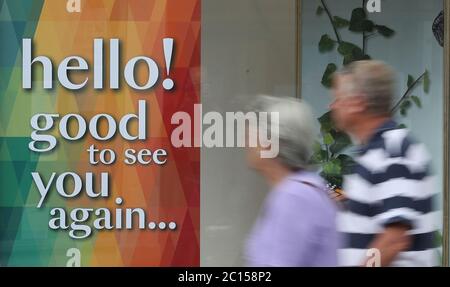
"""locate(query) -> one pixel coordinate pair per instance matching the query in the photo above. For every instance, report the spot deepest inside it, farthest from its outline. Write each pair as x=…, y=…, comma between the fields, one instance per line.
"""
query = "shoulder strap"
x=310, y=184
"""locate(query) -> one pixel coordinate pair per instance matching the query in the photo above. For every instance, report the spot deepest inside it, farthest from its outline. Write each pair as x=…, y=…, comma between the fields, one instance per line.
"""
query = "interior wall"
x=248, y=48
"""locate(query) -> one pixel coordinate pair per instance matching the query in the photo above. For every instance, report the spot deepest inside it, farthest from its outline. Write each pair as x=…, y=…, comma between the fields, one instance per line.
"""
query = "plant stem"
x=364, y=43
x=365, y=38
x=338, y=38
x=328, y=153
x=364, y=32
x=405, y=95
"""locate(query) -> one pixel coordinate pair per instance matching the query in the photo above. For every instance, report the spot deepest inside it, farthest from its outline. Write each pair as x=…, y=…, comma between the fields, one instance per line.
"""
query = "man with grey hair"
x=297, y=222
x=388, y=217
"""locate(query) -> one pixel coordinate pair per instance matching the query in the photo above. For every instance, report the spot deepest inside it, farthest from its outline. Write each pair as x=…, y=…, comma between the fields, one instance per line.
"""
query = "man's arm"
x=391, y=242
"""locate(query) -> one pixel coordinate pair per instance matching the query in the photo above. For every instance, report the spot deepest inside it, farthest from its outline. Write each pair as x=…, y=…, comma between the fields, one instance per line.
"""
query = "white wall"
x=248, y=48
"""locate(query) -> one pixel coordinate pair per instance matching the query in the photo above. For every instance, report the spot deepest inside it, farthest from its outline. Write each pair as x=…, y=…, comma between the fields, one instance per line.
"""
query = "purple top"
x=296, y=226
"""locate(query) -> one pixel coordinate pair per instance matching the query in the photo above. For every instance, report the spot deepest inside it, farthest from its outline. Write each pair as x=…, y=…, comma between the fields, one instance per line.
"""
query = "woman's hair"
x=296, y=128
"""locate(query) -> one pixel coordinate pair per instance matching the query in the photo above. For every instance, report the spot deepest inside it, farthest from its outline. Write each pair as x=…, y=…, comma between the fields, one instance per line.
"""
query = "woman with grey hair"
x=296, y=226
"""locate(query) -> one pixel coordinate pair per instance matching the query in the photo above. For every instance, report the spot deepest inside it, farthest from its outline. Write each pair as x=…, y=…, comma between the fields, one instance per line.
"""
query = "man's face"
x=346, y=105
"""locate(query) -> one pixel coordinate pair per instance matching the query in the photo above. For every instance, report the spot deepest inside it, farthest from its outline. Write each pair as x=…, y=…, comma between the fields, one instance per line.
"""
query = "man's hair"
x=374, y=80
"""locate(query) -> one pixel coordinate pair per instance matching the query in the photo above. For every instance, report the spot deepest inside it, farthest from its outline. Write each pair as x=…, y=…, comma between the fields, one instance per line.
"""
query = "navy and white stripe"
x=390, y=183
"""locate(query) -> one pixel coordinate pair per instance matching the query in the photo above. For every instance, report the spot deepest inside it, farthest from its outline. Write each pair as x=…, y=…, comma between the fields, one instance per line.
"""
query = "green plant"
x=329, y=153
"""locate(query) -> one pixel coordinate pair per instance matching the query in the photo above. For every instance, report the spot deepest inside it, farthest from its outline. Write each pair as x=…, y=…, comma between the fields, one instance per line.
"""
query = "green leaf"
x=366, y=57
x=357, y=20
x=410, y=81
x=332, y=168
x=326, y=124
x=358, y=15
x=437, y=238
x=346, y=163
x=319, y=10
x=385, y=31
x=417, y=101
x=404, y=107
x=351, y=53
x=406, y=104
x=403, y=112
x=346, y=48
x=328, y=139
x=334, y=180
x=348, y=59
x=341, y=141
x=340, y=22
x=426, y=82
x=328, y=74
x=326, y=44
x=367, y=26
x=401, y=126
x=317, y=147
x=319, y=156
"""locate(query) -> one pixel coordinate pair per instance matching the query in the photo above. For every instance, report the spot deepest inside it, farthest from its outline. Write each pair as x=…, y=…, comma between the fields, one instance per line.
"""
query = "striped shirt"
x=389, y=183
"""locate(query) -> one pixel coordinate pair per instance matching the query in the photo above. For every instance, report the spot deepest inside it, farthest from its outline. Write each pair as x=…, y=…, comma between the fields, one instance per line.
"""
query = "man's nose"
x=332, y=104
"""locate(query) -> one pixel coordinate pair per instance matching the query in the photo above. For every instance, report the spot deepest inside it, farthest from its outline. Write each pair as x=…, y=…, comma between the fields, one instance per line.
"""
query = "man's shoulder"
x=395, y=143
x=394, y=154
x=398, y=142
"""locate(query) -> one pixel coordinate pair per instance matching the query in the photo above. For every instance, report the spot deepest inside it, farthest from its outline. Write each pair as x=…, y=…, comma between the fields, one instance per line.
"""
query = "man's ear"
x=359, y=104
